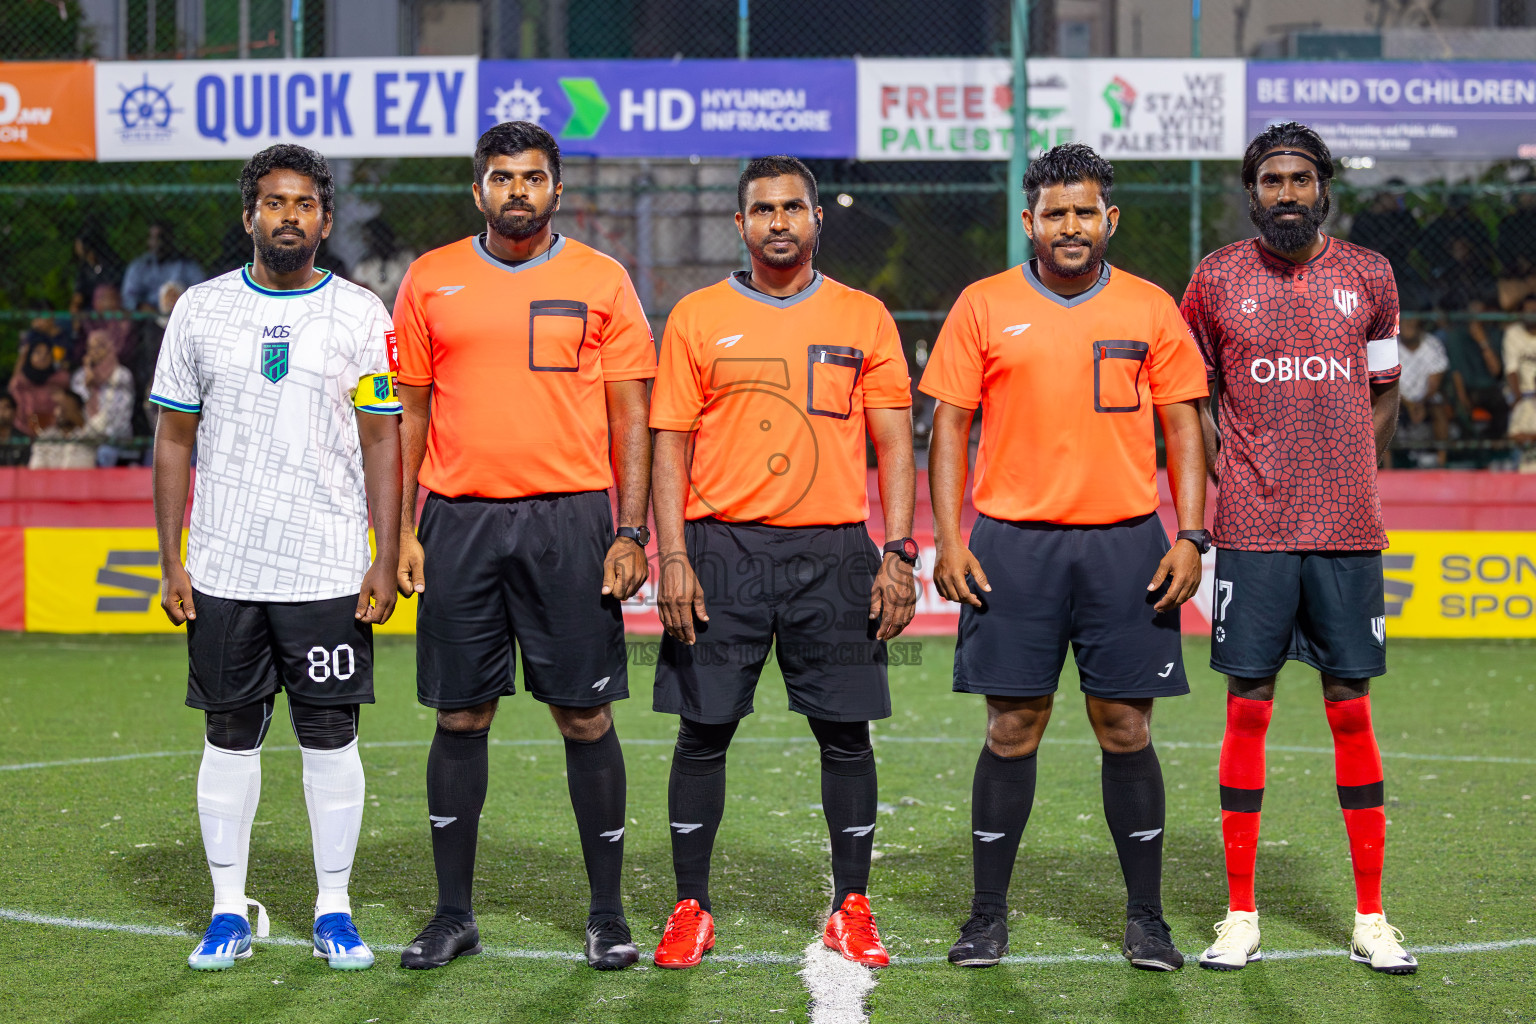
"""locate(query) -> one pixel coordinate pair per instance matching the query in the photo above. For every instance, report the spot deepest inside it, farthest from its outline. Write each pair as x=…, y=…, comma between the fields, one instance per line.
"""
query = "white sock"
x=333, y=792
x=228, y=789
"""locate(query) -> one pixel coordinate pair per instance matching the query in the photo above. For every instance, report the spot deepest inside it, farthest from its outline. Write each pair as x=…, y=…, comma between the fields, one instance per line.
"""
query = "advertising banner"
x=229, y=109
x=1456, y=110
x=941, y=109
x=1462, y=584
x=664, y=108
x=1439, y=583
x=45, y=111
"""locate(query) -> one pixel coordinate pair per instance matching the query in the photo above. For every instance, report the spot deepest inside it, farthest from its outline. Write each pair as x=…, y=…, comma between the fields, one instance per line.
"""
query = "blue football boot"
x=337, y=941
x=227, y=939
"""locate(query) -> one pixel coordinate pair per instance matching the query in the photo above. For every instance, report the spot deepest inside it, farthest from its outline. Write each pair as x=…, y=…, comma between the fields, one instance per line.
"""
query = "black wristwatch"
x=639, y=534
x=1201, y=539
x=904, y=548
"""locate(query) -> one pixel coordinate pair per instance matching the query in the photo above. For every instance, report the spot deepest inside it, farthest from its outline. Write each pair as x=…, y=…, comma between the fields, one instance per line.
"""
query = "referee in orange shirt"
x=1067, y=357
x=768, y=383
x=523, y=363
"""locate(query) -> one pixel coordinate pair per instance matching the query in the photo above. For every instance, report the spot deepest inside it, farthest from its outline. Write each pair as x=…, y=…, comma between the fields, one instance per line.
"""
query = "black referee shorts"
x=1326, y=609
x=241, y=652
x=802, y=590
x=1085, y=585
x=524, y=571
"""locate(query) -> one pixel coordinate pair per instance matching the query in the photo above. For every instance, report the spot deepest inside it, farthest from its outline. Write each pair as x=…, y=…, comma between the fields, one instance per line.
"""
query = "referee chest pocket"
x=556, y=330
x=832, y=372
x=1117, y=369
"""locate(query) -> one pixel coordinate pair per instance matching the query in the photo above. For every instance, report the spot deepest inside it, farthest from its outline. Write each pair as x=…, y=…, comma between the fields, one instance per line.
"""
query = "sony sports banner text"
x=664, y=108
x=952, y=109
x=45, y=111
x=229, y=109
x=1456, y=110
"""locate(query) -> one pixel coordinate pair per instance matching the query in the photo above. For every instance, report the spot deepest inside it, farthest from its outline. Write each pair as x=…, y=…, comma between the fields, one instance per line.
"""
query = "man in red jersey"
x=1299, y=334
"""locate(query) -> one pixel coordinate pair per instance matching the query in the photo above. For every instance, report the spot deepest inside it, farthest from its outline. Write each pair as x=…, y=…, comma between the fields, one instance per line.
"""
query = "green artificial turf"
x=116, y=841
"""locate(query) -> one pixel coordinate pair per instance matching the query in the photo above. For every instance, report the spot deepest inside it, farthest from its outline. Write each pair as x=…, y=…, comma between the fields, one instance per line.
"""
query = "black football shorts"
x=523, y=571
x=802, y=590
x=1055, y=585
x=241, y=652
x=1326, y=609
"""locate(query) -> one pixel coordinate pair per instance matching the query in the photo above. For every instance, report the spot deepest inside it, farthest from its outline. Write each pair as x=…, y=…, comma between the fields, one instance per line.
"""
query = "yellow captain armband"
x=376, y=393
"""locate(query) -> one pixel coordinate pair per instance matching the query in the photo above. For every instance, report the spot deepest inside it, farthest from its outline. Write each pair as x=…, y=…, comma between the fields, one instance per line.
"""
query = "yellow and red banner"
x=46, y=110
x=1462, y=584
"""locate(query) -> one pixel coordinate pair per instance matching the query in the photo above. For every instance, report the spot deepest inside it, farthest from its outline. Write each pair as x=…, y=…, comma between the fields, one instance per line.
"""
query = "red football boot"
x=690, y=932
x=851, y=931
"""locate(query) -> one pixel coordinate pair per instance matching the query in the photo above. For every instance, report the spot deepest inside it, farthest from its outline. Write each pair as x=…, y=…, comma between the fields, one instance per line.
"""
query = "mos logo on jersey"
x=274, y=360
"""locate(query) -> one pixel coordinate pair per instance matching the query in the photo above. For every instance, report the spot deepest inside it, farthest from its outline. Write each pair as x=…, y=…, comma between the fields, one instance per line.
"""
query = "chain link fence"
x=913, y=233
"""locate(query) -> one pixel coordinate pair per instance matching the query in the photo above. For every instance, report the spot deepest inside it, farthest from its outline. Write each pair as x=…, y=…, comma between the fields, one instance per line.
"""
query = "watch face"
x=910, y=548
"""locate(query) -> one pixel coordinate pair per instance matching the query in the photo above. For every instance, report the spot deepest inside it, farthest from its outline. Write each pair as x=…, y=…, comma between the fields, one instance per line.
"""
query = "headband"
x=1308, y=157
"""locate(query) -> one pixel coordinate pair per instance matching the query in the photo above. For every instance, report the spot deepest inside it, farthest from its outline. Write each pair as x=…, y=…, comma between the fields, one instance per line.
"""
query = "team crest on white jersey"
x=1347, y=301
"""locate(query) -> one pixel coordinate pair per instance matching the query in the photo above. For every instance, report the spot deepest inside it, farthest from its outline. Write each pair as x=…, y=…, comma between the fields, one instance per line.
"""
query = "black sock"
x=457, y=769
x=595, y=774
x=696, y=803
x=849, y=791
x=1002, y=794
x=1134, y=811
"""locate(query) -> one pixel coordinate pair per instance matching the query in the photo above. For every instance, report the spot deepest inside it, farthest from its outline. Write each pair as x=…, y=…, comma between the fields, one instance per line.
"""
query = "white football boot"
x=1379, y=944
x=1237, y=942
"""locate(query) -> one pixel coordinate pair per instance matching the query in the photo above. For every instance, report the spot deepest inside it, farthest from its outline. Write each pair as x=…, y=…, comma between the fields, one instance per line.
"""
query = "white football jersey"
x=279, y=512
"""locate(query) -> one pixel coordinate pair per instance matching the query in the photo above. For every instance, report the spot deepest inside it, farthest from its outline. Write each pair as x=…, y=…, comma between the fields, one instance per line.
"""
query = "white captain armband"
x=1381, y=354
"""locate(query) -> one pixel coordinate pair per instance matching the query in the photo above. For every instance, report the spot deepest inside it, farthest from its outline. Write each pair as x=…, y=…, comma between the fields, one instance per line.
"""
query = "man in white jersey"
x=280, y=374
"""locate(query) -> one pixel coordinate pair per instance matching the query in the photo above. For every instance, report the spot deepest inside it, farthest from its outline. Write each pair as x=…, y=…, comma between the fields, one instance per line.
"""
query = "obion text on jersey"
x=1300, y=368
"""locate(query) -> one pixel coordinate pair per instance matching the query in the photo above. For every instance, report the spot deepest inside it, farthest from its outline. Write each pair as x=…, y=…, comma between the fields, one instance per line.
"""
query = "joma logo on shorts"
x=1297, y=368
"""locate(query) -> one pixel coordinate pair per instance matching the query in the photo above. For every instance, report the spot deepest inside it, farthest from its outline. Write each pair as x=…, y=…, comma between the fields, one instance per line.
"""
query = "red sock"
x=1357, y=764
x=1242, y=793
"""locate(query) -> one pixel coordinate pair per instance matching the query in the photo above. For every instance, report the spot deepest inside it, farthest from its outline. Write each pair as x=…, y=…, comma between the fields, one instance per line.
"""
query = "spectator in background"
x=384, y=266
x=1517, y=249
x=33, y=382
x=14, y=449
x=1390, y=229
x=106, y=388
x=65, y=444
x=46, y=329
x=161, y=262
x=1458, y=253
x=95, y=264
x=1520, y=365
x=147, y=413
x=1476, y=376
x=107, y=314
x=1425, y=413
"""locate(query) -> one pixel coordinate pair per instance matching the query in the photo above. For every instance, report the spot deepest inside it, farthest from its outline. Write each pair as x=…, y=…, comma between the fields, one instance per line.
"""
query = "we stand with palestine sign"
x=1126, y=109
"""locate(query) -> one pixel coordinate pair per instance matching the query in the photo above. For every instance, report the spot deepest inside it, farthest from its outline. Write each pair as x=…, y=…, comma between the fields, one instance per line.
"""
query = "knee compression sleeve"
x=323, y=727
x=241, y=729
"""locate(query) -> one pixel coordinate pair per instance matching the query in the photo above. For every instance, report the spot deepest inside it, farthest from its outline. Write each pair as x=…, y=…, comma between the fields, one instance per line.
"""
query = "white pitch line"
x=759, y=959
x=877, y=739
x=838, y=987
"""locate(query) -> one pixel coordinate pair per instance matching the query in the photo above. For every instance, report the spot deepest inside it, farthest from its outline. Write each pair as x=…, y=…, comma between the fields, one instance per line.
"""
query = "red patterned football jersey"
x=1292, y=350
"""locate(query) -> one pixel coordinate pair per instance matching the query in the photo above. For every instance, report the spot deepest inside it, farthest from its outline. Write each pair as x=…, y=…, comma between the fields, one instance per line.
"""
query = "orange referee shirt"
x=517, y=357
x=1066, y=388
x=776, y=389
